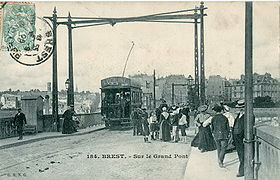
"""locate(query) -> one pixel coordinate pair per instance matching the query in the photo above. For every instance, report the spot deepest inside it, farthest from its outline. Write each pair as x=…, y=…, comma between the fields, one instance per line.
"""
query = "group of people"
x=69, y=124
x=221, y=131
x=164, y=123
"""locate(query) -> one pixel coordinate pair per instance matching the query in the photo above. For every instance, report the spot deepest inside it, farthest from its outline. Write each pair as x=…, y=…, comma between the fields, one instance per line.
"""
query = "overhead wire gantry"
x=187, y=16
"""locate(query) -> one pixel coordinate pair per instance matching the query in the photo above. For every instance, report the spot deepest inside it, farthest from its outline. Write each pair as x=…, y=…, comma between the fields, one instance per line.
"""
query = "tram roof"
x=118, y=83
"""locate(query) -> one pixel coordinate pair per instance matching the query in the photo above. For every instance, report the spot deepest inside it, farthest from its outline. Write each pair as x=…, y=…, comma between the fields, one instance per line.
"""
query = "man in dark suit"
x=19, y=122
x=238, y=136
x=134, y=119
x=220, y=130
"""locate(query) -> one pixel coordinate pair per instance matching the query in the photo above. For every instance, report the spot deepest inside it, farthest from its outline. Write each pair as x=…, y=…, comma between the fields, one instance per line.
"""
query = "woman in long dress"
x=165, y=125
x=68, y=126
x=204, y=139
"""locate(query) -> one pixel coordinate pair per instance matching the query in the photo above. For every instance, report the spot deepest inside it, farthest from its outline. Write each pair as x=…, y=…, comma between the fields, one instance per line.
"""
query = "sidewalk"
x=13, y=142
x=204, y=166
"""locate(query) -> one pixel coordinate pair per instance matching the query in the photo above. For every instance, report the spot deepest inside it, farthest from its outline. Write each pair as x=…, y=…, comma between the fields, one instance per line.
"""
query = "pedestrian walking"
x=139, y=123
x=229, y=116
x=186, y=111
x=135, y=118
x=69, y=125
x=182, y=125
x=238, y=136
x=145, y=125
x=174, y=121
x=153, y=125
x=19, y=122
x=220, y=130
x=165, y=125
x=204, y=139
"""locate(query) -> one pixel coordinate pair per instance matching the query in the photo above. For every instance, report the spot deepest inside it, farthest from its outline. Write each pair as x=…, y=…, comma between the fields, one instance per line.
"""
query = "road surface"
x=99, y=156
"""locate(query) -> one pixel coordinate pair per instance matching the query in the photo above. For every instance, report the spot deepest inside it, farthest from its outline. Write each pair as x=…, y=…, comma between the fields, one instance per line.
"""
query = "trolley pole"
x=202, y=73
x=154, y=89
x=54, y=85
x=70, y=92
x=249, y=118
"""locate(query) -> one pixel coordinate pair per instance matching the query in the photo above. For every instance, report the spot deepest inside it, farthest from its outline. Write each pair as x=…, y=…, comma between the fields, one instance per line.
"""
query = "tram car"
x=119, y=97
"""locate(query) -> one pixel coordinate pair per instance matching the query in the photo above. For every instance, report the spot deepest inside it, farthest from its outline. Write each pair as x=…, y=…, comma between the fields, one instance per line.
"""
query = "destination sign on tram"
x=115, y=81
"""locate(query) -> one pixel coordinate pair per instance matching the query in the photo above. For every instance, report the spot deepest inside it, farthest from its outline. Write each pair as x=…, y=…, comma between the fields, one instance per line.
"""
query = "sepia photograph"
x=140, y=90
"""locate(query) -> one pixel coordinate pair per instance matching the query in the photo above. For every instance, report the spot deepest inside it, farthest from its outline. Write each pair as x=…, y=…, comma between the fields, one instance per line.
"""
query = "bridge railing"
x=267, y=152
x=6, y=128
x=86, y=120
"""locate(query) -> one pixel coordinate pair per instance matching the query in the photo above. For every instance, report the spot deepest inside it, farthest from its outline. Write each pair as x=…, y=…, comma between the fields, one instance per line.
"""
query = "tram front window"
x=116, y=103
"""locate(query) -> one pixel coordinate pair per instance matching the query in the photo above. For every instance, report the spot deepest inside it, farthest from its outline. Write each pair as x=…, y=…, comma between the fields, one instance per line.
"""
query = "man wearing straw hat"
x=238, y=136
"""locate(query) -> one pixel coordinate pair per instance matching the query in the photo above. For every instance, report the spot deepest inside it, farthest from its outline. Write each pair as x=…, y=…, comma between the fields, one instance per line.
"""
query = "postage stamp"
x=18, y=26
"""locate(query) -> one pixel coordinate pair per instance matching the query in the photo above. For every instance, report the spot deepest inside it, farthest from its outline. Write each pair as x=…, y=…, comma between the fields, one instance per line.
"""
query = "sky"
x=100, y=52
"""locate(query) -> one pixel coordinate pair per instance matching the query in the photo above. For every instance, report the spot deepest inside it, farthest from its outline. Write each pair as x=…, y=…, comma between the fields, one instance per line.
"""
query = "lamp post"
x=190, y=80
x=192, y=93
x=70, y=91
x=172, y=95
x=67, y=83
x=249, y=117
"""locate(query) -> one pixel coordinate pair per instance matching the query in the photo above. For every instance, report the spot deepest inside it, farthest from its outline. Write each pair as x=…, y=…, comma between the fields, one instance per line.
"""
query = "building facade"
x=263, y=85
x=147, y=86
x=216, y=89
x=163, y=88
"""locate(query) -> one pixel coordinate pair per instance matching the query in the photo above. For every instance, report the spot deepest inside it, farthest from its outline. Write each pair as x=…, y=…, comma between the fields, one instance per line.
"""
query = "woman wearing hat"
x=68, y=126
x=165, y=125
x=203, y=139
